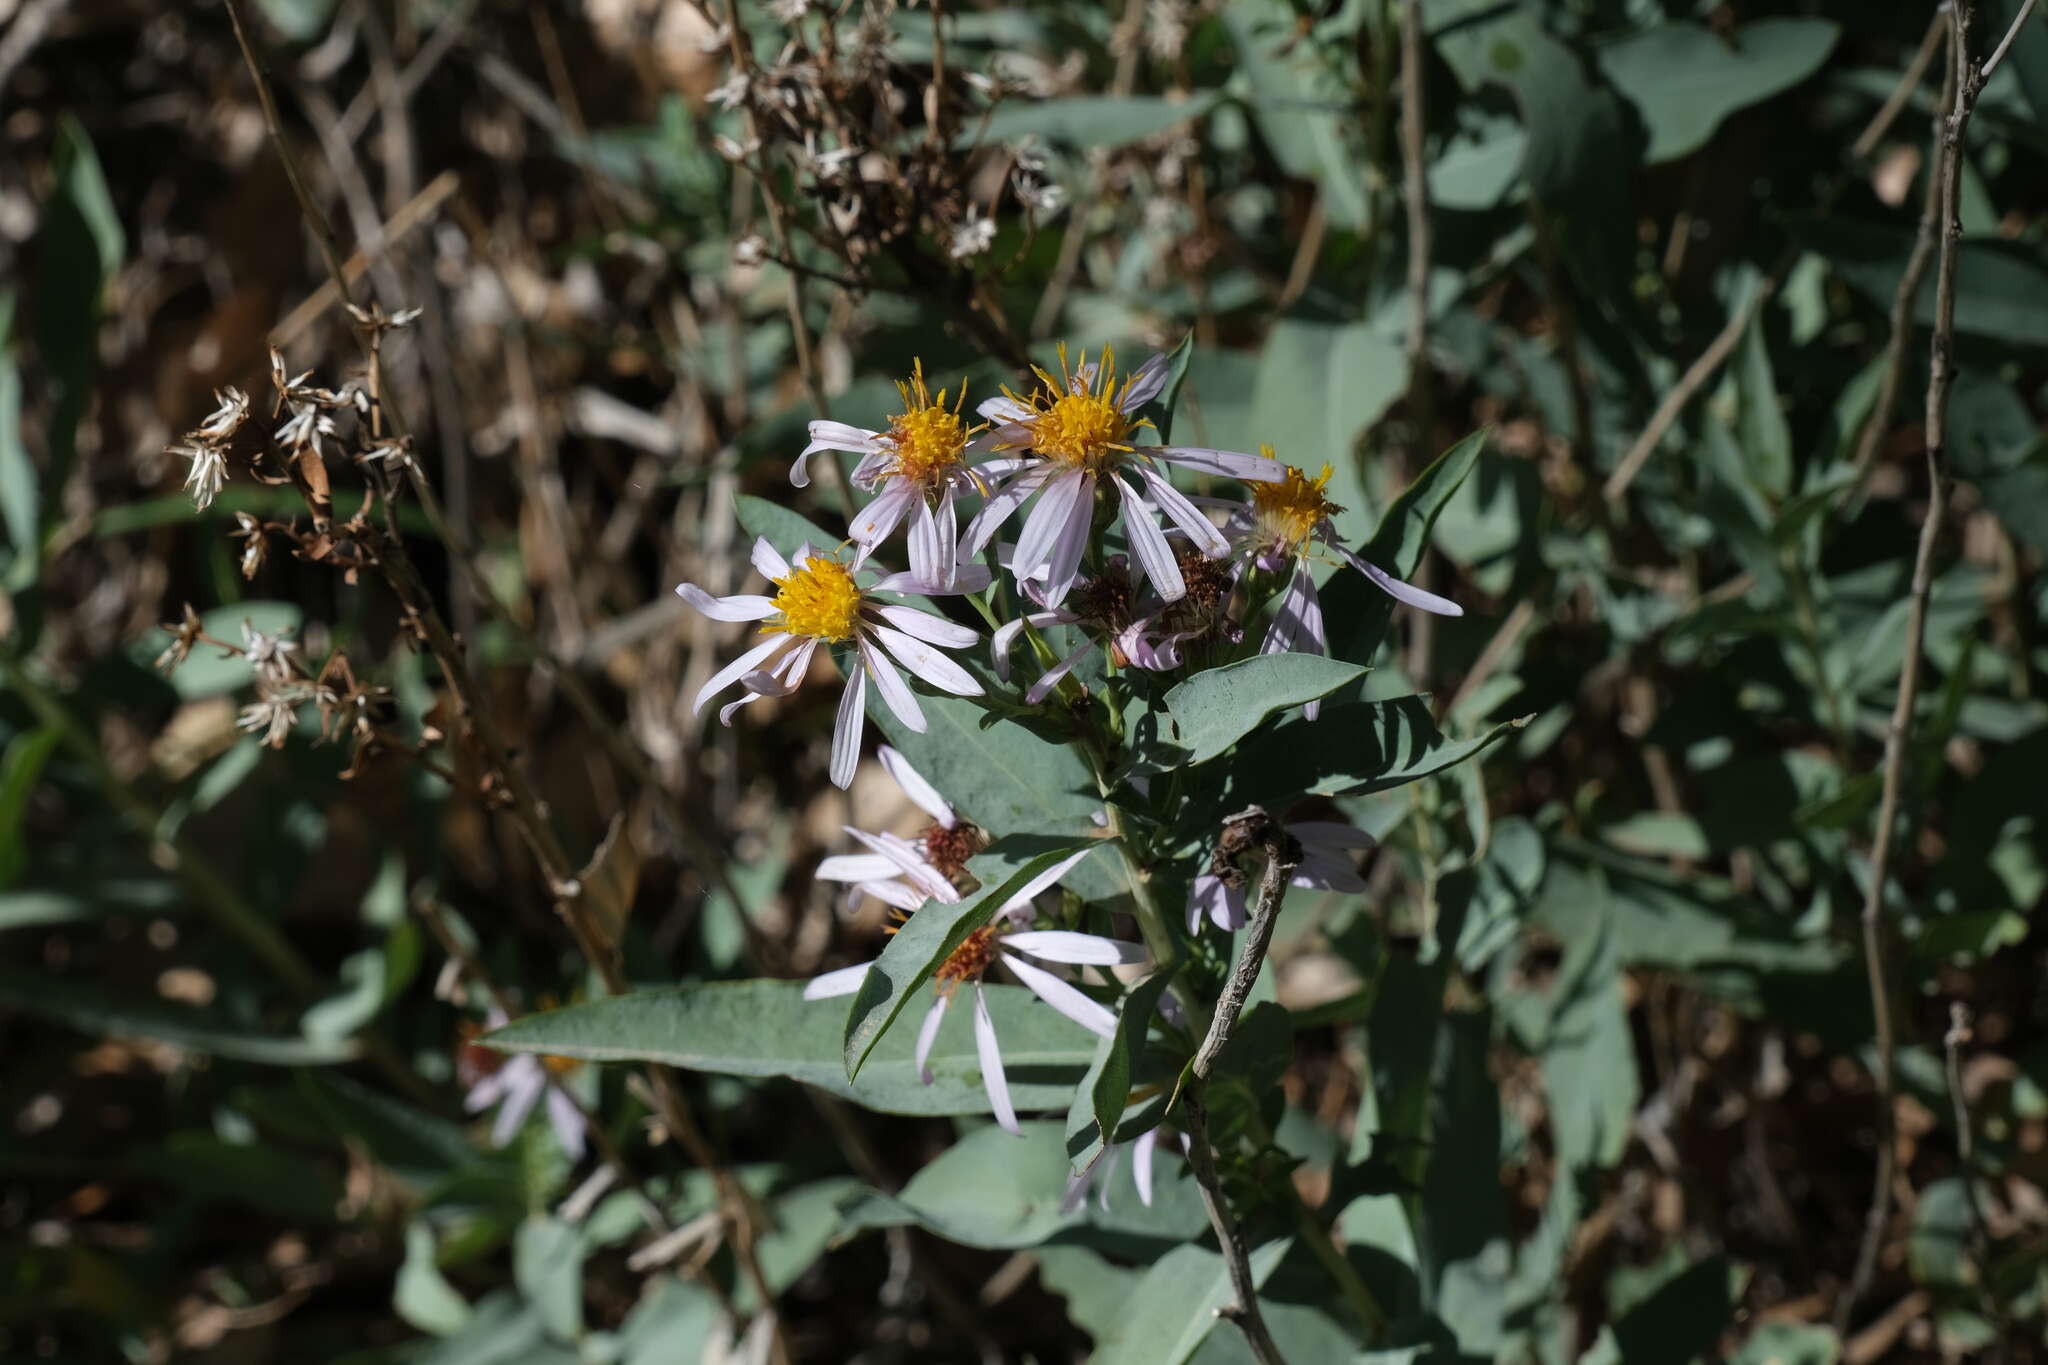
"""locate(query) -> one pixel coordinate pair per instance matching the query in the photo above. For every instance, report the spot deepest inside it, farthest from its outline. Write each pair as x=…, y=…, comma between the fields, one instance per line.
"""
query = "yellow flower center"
x=929, y=438
x=928, y=443
x=1290, y=510
x=1086, y=428
x=969, y=960
x=820, y=599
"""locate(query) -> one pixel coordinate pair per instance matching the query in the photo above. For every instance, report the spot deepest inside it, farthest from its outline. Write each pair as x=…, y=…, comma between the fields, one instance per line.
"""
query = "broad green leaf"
x=1005, y=779
x=1358, y=611
x=1682, y=1319
x=673, y=1321
x=1321, y=386
x=129, y=1016
x=1766, y=437
x=991, y=1189
x=422, y=1294
x=1112, y=1083
x=1477, y=174
x=2001, y=287
x=1588, y=1056
x=925, y=941
x=1300, y=104
x=803, y=1222
x=1685, y=79
x=301, y=21
x=767, y=1028
x=1939, y=1244
x=1790, y=1343
x=1174, y=1306
x=1352, y=748
x=210, y=672
x=1084, y=121
x=1211, y=711
x=502, y=1329
x=783, y=527
x=547, y=1265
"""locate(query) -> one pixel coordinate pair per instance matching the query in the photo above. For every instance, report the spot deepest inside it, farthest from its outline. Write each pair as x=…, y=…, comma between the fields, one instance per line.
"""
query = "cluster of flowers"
x=1068, y=444
x=1067, y=450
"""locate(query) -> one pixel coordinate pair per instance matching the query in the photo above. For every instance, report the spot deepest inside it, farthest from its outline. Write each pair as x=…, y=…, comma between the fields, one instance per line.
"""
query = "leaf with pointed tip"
x=915, y=951
x=767, y=1028
x=1214, y=709
x=1112, y=1085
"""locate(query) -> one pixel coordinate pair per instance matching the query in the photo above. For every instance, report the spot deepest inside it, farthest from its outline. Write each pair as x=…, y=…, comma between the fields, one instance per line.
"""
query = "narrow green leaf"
x=1214, y=709
x=1113, y=1082
x=1085, y=120
x=422, y=1294
x=20, y=769
x=1160, y=410
x=915, y=951
x=20, y=485
x=767, y=1028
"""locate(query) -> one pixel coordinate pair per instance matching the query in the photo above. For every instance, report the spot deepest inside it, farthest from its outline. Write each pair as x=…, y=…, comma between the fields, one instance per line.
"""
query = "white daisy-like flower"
x=905, y=873
x=515, y=1085
x=817, y=601
x=1286, y=527
x=1326, y=847
x=917, y=471
x=1005, y=940
x=1078, y=430
x=974, y=234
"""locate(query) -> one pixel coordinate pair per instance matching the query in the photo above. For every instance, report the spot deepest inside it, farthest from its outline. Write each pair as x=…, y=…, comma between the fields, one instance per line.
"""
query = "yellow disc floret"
x=819, y=599
x=928, y=438
x=1084, y=424
x=1290, y=510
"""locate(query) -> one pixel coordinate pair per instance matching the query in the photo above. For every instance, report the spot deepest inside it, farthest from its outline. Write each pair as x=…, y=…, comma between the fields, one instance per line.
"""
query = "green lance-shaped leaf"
x=1396, y=547
x=1113, y=1080
x=767, y=1028
x=1160, y=410
x=1351, y=749
x=1176, y=1305
x=925, y=941
x=1085, y=121
x=1214, y=709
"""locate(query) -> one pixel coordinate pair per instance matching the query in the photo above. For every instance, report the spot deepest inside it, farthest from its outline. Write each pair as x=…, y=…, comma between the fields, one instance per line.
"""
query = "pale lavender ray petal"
x=1148, y=543
x=1049, y=877
x=927, y=662
x=844, y=981
x=1229, y=463
x=927, y=1034
x=522, y=1091
x=1403, y=592
x=890, y=684
x=567, y=1121
x=739, y=668
x=1050, y=515
x=1145, y=383
x=890, y=892
x=743, y=607
x=1185, y=514
x=881, y=516
x=1063, y=565
x=1064, y=945
x=767, y=560
x=1003, y=408
x=846, y=729
x=1042, y=689
x=966, y=578
x=932, y=629
x=927, y=559
x=1001, y=504
x=923, y=793
x=855, y=867
x=1323, y=873
x=829, y=436
x=910, y=863
x=1089, y=1014
x=1006, y=635
x=1141, y=1164
x=992, y=1078
x=725, y=712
